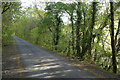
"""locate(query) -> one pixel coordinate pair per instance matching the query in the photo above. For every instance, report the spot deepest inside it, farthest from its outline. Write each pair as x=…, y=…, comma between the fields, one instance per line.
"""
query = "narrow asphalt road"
x=38, y=63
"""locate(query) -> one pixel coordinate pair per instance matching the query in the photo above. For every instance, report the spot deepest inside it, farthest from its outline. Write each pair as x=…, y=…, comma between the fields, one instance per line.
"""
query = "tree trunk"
x=68, y=53
x=57, y=32
x=78, y=30
x=96, y=49
x=84, y=39
x=112, y=39
x=91, y=30
x=57, y=35
x=72, y=33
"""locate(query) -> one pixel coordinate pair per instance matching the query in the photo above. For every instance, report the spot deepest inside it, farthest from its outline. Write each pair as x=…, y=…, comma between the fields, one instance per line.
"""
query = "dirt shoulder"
x=10, y=61
x=85, y=65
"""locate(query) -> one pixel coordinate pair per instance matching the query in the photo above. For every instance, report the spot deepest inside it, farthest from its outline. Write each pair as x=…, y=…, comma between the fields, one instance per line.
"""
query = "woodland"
x=92, y=33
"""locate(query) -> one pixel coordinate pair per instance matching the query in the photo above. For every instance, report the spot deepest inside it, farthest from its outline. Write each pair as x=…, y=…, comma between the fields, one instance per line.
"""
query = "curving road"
x=38, y=63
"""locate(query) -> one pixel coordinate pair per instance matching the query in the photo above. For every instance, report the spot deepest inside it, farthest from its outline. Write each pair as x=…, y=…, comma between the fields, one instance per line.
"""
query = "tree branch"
x=50, y=29
x=6, y=5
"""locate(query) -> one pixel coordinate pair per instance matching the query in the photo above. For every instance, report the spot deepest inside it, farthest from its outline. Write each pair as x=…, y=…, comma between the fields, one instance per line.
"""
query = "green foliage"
x=47, y=29
x=35, y=32
x=9, y=9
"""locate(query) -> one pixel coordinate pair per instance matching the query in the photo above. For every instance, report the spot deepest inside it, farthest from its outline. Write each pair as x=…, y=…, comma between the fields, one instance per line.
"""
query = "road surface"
x=38, y=63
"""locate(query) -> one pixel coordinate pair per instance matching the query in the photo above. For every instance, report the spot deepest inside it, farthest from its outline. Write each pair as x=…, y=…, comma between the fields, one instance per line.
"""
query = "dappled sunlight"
x=37, y=75
x=41, y=64
x=42, y=68
x=46, y=67
x=48, y=60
